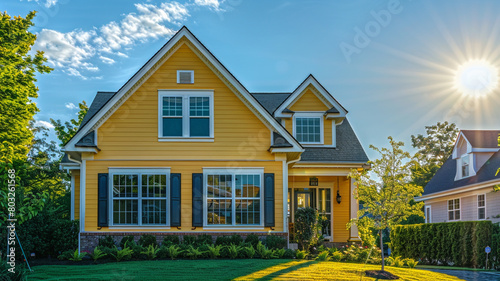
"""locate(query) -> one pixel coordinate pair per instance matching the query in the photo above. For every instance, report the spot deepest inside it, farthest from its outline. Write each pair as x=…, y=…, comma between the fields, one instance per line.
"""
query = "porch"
x=331, y=196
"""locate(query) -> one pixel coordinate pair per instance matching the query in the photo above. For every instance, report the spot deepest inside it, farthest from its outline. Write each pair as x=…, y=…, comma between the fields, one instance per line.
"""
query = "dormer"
x=311, y=114
x=472, y=149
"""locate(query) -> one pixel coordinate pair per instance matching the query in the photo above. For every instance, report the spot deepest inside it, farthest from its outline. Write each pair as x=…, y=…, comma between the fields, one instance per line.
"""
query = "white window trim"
x=321, y=126
x=185, y=95
x=428, y=219
x=139, y=171
x=477, y=205
x=226, y=171
x=459, y=209
x=178, y=76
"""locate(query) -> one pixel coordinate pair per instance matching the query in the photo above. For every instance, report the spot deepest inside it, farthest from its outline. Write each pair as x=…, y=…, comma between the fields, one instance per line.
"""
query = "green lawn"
x=223, y=270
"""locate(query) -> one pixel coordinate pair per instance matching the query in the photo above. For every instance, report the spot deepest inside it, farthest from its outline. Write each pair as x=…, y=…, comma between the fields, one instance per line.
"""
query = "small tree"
x=307, y=227
x=386, y=197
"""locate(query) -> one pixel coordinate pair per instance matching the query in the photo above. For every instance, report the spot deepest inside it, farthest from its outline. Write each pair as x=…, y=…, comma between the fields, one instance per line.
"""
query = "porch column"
x=354, y=236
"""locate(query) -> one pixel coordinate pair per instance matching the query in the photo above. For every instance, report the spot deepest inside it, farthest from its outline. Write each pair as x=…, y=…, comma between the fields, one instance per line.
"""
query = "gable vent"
x=185, y=76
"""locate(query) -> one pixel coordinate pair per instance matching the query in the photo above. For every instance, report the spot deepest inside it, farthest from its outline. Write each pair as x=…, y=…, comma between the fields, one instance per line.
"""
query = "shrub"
x=337, y=256
x=275, y=242
x=223, y=240
x=280, y=253
x=171, y=240
x=188, y=240
x=193, y=253
x=136, y=249
x=97, y=254
x=252, y=239
x=214, y=251
x=411, y=263
x=323, y=256
x=289, y=254
x=151, y=251
x=233, y=251
x=248, y=251
x=126, y=239
x=301, y=254
x=66, y=255
x=77, y=256
x=458, y=243
x=107, y=241
x=147, y=239
x=236, y=239
x=21, y=272
x=204, y=239
x=263, y=251
x=398, y=262
x=123, y=254
x=173, y=251
x=307, y=228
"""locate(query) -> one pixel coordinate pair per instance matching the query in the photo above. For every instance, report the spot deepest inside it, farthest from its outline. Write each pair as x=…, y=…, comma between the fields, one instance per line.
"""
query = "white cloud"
x=76, y=52
x=214, y=4
x=44, y=124
x=71, y=106
x=48, y=3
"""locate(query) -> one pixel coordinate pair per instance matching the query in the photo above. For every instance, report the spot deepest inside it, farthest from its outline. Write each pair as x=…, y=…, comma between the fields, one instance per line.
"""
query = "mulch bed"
x=379, y=274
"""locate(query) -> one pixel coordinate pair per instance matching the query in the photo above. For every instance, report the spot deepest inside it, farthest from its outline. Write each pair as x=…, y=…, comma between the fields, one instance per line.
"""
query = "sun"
x=476, y=78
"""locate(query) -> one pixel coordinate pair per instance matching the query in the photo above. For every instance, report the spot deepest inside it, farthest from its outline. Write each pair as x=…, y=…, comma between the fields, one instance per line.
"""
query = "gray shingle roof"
x=99, y=101
x=444, y=179
x=348, y=148
x=270, y=101
x=482, y=138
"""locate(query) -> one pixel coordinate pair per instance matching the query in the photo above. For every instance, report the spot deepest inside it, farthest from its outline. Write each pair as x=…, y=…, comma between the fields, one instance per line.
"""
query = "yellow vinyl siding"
x=132, y=131
x=308, y=101
x=186, y=168
x=76, y=173
x=341, y=212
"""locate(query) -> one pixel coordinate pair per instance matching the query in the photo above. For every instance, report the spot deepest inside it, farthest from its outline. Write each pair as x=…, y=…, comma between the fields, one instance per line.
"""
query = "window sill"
x=231, y=227
x=164, y=139
x=139, y=227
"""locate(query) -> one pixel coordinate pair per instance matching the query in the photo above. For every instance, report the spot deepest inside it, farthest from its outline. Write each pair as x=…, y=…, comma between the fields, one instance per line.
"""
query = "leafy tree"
x=433, y=150
x=67, y=130
x=386, y=197
x=17, y=108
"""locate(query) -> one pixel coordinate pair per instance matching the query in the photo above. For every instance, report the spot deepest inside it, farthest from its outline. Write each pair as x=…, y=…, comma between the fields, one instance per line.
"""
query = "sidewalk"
x=470, y=275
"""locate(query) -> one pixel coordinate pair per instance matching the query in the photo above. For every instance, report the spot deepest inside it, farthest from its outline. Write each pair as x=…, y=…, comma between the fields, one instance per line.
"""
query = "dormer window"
x=308, y=128
x=465, y=166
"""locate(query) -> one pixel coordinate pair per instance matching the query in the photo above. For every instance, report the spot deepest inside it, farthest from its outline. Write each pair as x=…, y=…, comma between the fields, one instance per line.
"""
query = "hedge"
x=451, y=243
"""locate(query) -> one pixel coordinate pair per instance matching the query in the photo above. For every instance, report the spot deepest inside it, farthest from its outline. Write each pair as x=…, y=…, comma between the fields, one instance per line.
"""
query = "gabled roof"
x=444, y=179
x=324, y=96
x=482, y=138
x=102, y=114
x=270, y=101
x=348, y=148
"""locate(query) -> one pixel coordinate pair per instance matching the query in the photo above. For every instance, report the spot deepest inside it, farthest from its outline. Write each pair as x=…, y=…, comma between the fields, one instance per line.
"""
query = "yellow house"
x=183, y=149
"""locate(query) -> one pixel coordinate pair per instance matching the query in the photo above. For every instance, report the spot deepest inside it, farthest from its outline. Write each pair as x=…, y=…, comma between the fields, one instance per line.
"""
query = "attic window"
x=185, y=76
x=465, y=166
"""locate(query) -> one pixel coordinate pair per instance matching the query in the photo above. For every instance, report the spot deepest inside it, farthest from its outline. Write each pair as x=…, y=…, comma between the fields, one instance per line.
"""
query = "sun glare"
x=476, y=78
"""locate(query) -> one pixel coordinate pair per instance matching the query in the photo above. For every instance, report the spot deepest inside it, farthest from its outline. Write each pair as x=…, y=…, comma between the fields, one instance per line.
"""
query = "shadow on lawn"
x=277, y=270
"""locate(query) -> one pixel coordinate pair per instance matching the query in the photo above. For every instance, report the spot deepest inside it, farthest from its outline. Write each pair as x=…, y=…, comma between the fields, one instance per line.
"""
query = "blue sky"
x=391, y=63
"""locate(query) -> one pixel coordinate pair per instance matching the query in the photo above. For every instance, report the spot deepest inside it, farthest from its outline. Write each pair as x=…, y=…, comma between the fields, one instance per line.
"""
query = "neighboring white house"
x=462, y=189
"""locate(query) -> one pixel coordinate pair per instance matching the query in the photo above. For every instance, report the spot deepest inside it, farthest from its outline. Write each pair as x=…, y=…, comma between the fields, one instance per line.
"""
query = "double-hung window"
x=308, y=128
x=481, y=206
x=185, y=115
x=454, y=209
x=139, y=196
x=233, y=198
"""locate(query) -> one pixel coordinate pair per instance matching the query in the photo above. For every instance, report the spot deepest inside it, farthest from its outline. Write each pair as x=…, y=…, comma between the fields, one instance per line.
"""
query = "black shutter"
x=269, y=199
x=197, y=199
x=175, y=199
x=102, y=201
